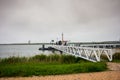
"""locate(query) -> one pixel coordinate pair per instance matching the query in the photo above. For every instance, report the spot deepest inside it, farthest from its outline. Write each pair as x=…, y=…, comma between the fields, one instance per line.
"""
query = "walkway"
x=88, y=53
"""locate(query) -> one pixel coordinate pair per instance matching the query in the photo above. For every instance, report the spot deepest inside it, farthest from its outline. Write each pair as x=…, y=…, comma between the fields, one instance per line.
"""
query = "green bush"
x=116, y=57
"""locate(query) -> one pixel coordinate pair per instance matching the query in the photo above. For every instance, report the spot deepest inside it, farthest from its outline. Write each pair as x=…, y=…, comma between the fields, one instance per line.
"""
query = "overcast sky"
x=44, y=20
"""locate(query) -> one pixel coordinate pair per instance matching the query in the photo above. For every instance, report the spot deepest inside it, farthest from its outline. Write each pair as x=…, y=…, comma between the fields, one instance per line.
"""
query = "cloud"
x=40, y=20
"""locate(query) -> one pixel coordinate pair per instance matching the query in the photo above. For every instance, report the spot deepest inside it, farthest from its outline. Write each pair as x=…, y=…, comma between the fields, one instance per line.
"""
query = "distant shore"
x=101, y=42
x=26, y=44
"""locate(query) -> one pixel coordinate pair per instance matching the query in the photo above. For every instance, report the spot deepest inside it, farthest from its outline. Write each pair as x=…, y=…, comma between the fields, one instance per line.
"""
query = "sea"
x=21, y=50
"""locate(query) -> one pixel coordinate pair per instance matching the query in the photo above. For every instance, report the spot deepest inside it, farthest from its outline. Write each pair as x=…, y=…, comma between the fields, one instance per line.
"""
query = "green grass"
x=29, y=69
x=47, y=65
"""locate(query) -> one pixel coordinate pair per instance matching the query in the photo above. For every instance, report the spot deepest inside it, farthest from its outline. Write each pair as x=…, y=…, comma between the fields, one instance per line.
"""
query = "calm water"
x=20, y=50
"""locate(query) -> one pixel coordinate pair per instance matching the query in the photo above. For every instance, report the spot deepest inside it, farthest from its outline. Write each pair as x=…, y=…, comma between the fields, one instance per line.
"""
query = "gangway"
x=88, y=53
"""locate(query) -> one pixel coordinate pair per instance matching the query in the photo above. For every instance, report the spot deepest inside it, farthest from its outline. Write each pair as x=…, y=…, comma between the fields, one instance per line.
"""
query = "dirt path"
x=113, y=74
x=114, y=66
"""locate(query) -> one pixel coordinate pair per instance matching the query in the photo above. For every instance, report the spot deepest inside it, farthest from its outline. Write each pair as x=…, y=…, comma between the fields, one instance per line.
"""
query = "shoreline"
x=106, y=75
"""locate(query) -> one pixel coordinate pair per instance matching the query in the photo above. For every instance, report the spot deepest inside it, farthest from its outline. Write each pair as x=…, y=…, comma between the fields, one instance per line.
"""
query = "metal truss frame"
x=91, y=54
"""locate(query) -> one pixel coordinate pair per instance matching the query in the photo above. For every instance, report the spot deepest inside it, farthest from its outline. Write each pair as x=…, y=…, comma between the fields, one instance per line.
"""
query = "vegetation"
x=53, y=58
x=47, y=65
x=116, y=57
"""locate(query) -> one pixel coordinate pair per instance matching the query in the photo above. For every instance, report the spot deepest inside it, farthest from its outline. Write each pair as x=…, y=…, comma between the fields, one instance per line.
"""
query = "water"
x=20, y=50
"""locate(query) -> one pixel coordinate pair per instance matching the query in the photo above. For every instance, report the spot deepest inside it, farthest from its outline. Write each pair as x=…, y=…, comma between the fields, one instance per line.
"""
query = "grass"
x=47, y=65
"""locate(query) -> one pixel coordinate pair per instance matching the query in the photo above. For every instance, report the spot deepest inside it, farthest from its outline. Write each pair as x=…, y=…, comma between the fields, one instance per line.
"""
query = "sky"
x=45, y=20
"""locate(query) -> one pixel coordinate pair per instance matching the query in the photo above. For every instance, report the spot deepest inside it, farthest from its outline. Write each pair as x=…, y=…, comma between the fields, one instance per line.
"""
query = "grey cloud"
x=39, y=20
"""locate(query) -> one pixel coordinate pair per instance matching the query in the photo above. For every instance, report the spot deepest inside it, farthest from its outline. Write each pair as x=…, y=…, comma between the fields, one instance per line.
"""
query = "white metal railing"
x=91, y=54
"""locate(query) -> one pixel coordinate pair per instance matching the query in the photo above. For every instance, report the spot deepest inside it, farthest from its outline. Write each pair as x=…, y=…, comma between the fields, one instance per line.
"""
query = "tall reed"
x=53, y=58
